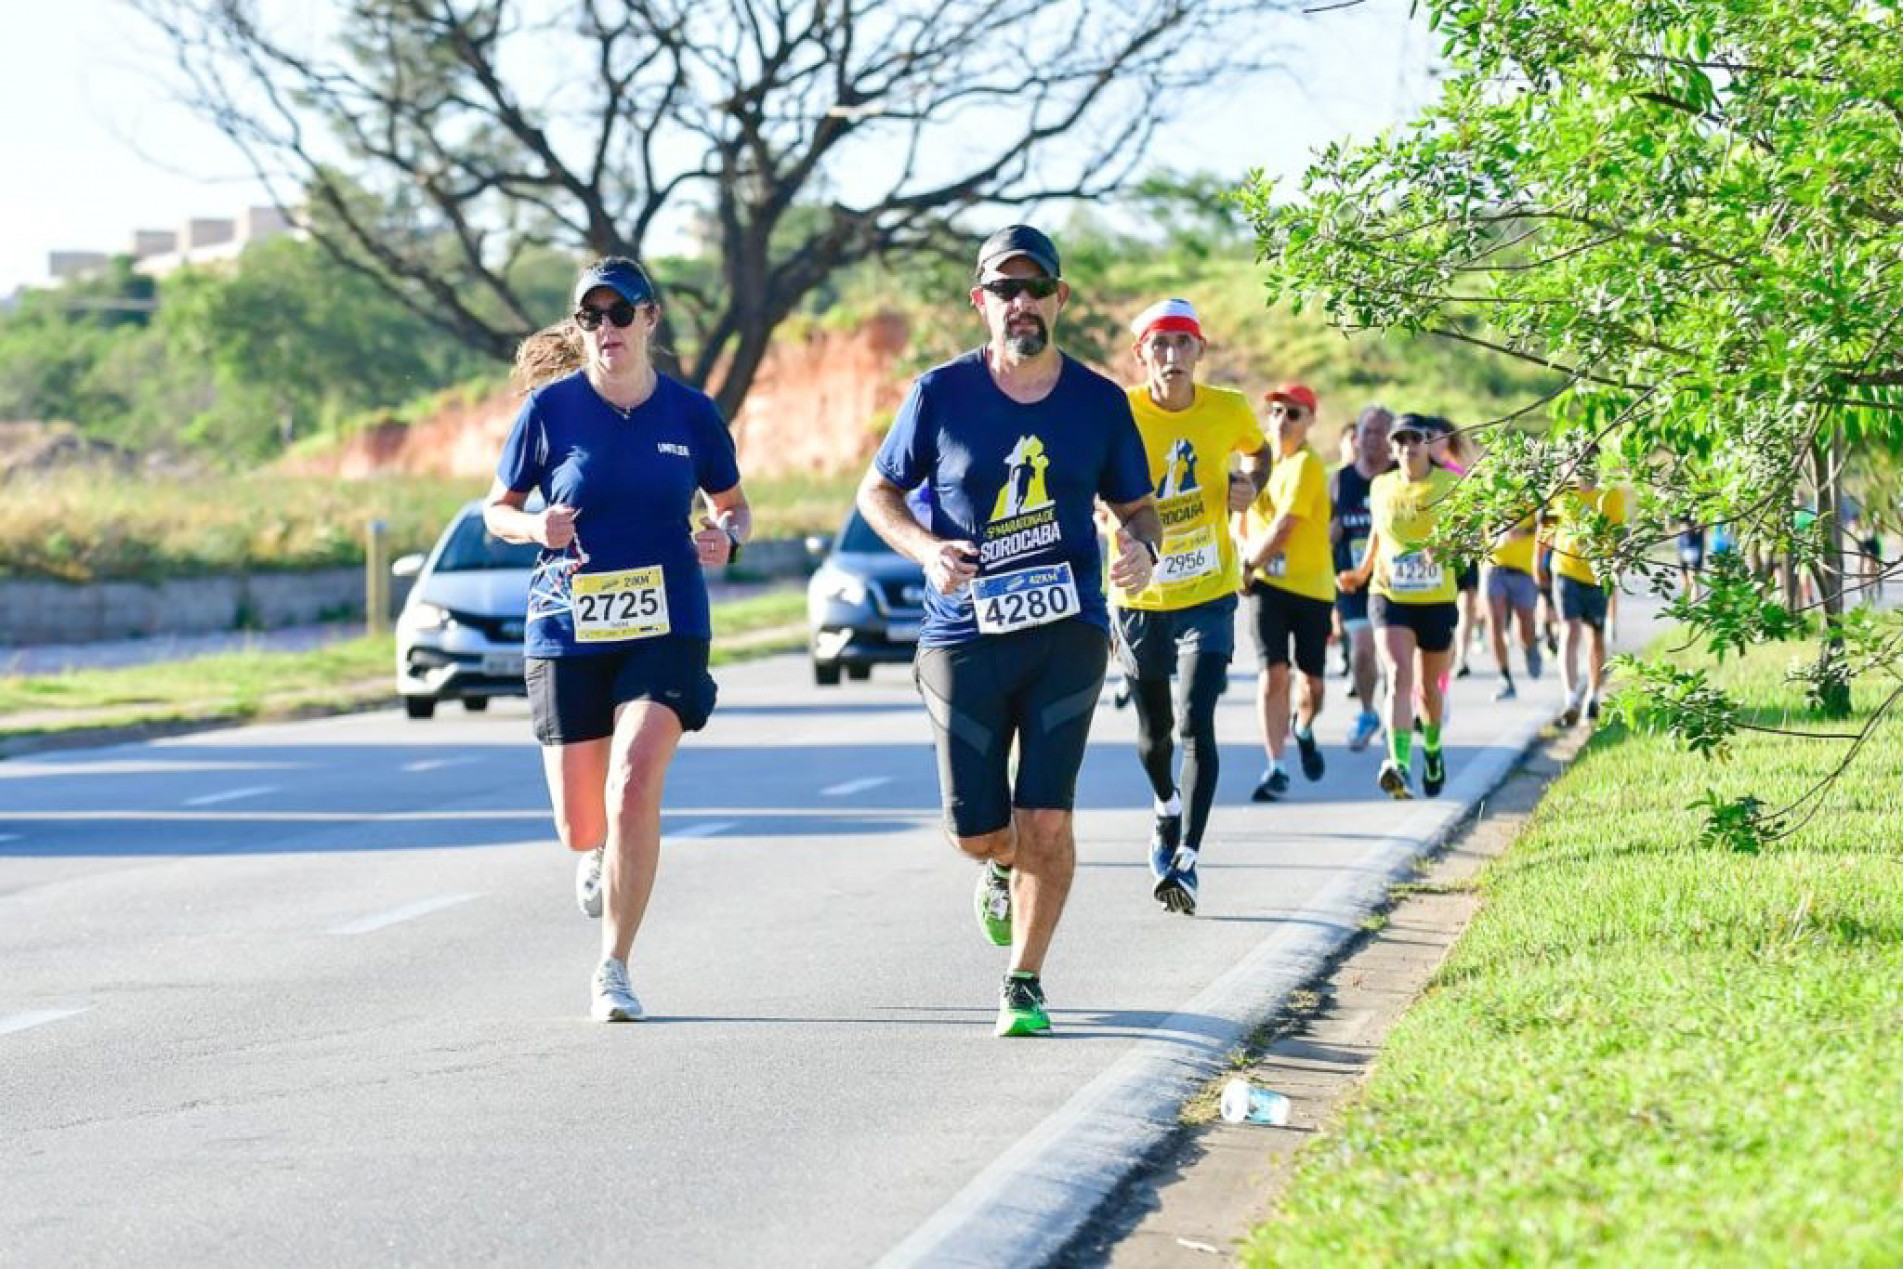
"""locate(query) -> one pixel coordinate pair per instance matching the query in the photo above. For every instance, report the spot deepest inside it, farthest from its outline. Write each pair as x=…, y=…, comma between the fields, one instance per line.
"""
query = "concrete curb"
x=1037, y=1197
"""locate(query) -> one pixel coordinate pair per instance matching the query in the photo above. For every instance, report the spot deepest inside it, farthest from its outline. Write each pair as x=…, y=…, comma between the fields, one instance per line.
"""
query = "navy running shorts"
x=1149, y=642
x=573, y=699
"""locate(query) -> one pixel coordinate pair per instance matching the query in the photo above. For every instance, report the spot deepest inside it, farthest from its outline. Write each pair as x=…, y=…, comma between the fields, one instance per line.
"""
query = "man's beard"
x=1028, y=343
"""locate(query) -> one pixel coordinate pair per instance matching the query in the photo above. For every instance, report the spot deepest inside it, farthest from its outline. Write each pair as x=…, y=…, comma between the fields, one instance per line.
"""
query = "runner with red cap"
x=1183, y=623
x=1291, y=587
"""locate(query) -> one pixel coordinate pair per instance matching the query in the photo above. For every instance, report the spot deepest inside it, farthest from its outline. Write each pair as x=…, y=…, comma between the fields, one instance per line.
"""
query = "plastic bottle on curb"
x=1243, y=1102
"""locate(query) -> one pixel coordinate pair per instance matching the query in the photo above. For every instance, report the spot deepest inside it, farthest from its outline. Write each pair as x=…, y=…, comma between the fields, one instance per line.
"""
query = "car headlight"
x=843, y=586
x=422, y=618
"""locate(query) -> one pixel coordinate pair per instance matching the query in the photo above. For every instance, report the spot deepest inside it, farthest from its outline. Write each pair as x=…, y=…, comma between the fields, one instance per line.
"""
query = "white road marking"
x=34, y=1018
x=854, y=786
x=437, y=764
x=231, y=795
x=706, y=828
x=408, y=912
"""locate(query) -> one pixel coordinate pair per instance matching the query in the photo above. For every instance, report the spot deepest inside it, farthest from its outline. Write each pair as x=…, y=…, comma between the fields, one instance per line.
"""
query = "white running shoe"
x=588, y=883
x=614, y=1000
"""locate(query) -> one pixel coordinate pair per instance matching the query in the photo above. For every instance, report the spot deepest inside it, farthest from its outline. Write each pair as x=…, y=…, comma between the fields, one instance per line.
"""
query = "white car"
x=459, y=636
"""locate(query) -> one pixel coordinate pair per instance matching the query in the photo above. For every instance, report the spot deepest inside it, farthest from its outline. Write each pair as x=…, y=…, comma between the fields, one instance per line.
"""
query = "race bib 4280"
x=1024, y=598
x=630, y=603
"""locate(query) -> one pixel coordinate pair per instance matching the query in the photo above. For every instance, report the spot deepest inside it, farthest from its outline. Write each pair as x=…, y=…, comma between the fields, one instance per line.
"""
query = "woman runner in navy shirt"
x=618, y=627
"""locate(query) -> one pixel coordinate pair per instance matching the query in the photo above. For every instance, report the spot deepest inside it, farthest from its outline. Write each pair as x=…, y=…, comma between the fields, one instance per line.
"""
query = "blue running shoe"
x=1164, y=839
x=1367, y=726
x=1176, y=889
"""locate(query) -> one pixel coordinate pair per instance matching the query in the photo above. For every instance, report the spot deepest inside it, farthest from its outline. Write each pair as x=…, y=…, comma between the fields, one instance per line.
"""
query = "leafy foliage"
x=1688, y=209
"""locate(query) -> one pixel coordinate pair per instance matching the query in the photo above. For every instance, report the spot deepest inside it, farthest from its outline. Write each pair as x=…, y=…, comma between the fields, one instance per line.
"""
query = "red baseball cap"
x=1300, y=393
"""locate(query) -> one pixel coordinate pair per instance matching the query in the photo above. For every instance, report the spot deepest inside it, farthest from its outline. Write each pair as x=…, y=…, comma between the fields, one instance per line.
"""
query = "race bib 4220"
x=630, y=603
x=1024, y=598
x=1414, y=573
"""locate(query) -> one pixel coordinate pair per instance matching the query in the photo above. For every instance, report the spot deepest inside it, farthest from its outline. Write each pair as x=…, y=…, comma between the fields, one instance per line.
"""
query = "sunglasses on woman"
x=1008, y=289
x=620, y=313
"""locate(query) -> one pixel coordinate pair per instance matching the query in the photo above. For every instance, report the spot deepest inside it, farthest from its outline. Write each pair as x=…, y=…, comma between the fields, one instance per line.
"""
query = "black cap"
x=1018, y=240
x=619, y=274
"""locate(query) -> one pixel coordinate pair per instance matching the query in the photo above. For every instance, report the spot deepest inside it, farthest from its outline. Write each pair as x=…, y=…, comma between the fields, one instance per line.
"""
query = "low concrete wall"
x=37, y=612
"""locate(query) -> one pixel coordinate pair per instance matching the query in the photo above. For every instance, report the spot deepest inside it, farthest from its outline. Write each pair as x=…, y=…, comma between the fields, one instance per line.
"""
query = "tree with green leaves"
x=1691, y=212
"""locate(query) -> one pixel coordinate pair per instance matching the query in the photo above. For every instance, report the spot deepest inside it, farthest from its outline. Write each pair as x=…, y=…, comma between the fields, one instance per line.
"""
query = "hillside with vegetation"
x=202, y=414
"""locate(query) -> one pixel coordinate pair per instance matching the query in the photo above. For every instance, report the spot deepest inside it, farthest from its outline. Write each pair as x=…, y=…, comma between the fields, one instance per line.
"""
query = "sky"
x=92, y=146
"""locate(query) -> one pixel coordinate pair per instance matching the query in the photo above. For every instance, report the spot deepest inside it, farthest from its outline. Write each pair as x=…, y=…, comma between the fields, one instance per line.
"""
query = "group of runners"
x=1057, y=516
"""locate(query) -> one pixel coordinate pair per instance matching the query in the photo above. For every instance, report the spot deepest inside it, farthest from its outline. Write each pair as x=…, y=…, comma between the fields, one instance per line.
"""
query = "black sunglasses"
x=1008, y=289
x=621, y=313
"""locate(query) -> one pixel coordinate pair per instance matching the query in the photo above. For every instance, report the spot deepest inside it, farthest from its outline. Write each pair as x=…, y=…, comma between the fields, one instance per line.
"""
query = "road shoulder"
x=1202, y=1195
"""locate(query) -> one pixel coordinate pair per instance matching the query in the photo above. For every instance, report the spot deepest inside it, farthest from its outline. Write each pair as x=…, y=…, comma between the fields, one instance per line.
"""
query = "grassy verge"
x=1642, y=1052
x=355, y=672
x=107, y=526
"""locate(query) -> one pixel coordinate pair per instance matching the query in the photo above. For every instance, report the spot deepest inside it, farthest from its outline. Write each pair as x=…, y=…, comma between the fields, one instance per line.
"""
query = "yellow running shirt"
x=1404, y=514
x=1307, y=566
x=1189, y=462
x=1514, y=549
x=1569, y=533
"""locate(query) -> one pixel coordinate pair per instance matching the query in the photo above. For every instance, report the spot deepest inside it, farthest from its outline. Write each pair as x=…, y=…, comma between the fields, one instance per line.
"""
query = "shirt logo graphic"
x=1179, y=471
x=1023, y=480
x=669, y=447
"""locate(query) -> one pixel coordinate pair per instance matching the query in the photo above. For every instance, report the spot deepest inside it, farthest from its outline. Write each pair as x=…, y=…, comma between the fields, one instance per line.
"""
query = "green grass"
x=1642, y=1052
x=251, y=684
x=83, y=525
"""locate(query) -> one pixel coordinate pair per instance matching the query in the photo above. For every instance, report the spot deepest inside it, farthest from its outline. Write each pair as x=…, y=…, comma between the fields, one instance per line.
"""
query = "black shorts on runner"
x=1039, y=685
x=1150, y=643
x=1581, y=601
x=573, y=699
x=1433, y=624
x=1281, y=618
x=1468, y=577
x=1352, y=605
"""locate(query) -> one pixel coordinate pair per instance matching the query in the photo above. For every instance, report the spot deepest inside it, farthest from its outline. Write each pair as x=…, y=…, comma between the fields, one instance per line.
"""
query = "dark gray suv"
x=863, y=606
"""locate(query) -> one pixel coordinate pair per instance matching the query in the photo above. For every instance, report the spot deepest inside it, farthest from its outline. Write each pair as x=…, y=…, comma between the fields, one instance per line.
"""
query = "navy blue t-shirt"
x=1020, y=481
x=632, y=482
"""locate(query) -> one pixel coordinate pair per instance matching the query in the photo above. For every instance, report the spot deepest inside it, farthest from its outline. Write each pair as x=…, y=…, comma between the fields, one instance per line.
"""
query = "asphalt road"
x=315, y=993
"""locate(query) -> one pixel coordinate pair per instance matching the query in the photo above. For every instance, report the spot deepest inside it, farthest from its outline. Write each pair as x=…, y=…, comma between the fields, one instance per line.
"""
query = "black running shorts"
x=1433, y=624
x=573, y=699
x=1039, y=686
x=1282, y=618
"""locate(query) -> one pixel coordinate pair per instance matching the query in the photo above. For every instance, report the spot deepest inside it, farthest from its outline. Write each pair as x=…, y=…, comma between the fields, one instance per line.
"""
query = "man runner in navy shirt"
x=1015, y=442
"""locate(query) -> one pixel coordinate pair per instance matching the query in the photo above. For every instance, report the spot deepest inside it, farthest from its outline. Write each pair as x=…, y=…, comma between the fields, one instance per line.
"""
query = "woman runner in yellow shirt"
x=1411, y=604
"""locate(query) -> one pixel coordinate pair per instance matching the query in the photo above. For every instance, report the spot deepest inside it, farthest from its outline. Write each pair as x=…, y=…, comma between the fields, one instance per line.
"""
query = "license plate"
x=502, y=665
x=902, y=632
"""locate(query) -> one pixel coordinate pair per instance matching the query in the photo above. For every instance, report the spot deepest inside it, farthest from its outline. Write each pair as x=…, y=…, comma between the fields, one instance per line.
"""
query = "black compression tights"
x=1200, y=679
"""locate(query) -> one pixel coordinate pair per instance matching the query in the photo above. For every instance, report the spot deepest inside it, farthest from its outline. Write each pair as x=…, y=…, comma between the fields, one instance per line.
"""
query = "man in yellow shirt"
x=1290, y=569
x=1580, y=588
x=1183, y=622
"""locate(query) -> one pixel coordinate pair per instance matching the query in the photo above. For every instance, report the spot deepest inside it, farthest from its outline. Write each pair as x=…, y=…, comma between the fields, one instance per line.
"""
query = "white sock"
x=1172, y=807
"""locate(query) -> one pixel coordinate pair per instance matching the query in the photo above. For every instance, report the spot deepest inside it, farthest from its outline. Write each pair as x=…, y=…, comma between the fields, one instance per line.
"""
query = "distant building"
x=201, y=240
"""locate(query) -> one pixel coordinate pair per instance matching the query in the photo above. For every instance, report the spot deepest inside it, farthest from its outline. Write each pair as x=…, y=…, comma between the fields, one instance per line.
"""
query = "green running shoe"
x=992, y=901
x=1021, y=1007
x=1433, y=772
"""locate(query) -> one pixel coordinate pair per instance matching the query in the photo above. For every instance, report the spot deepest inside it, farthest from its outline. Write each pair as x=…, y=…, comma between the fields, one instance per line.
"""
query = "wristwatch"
x=1156, y=556
x=733, y=545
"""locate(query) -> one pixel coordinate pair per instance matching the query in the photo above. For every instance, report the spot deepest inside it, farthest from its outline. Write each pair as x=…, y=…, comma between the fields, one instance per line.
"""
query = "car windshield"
x=858, y=537
x=472, y=548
